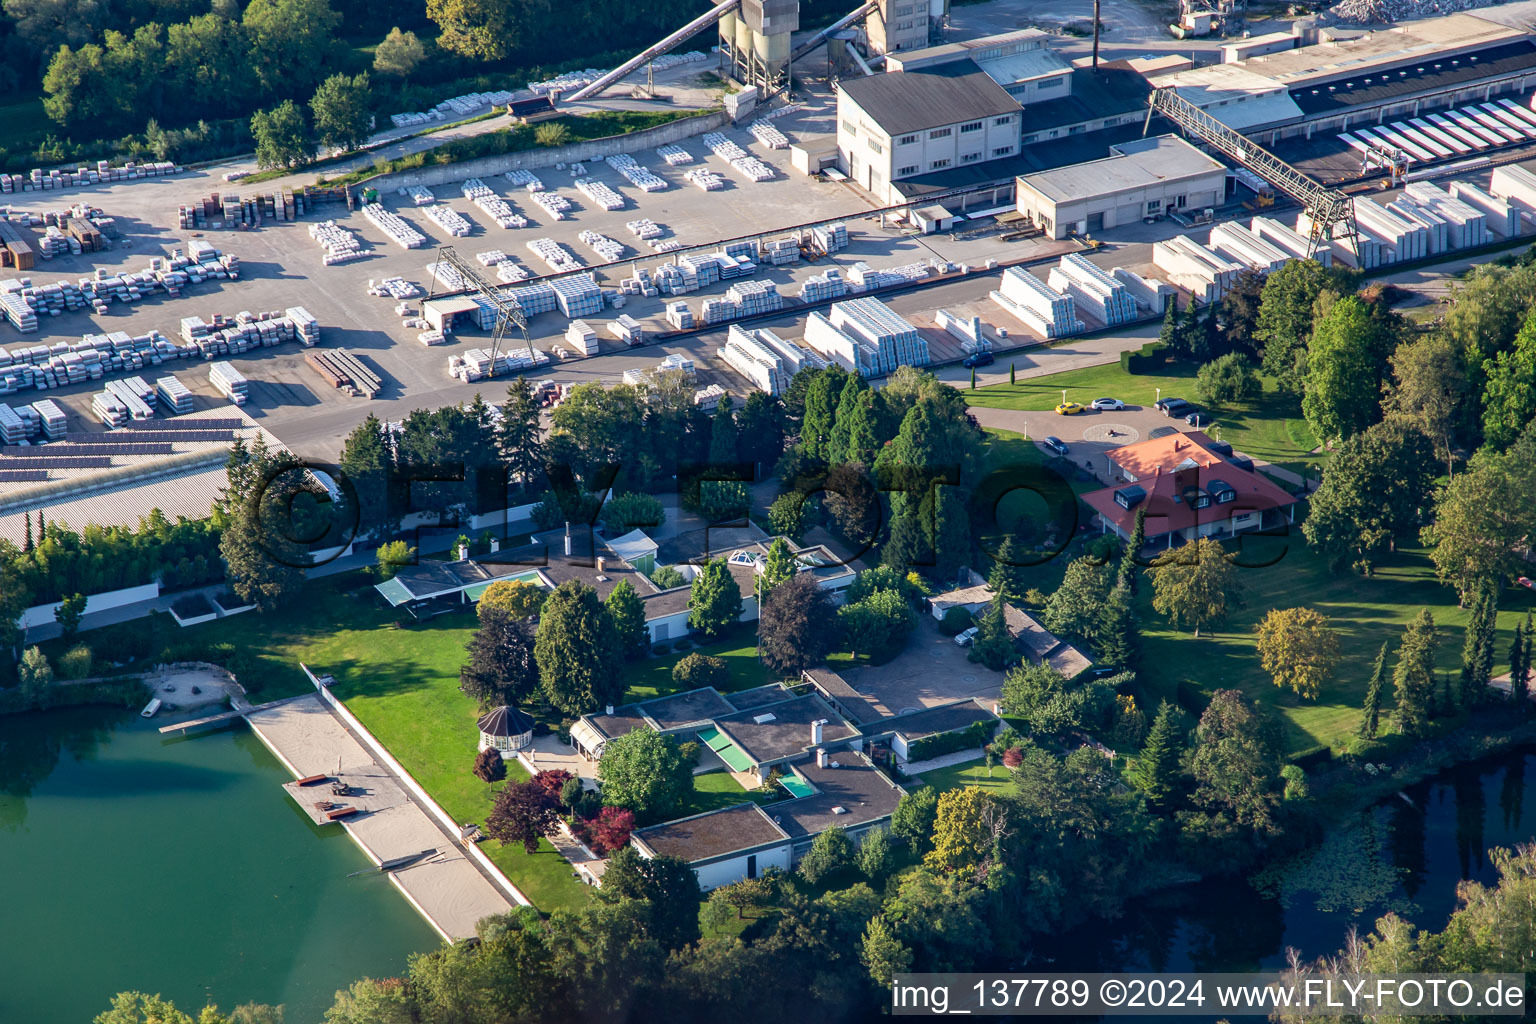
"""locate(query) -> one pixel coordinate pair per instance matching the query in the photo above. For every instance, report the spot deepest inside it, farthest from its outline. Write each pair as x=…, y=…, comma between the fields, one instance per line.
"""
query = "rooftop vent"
x=764, y=719
x=839, y=809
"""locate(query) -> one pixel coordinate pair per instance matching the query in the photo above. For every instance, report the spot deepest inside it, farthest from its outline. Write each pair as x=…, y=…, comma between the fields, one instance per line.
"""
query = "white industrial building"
x=935, y=118
x=1144, y=178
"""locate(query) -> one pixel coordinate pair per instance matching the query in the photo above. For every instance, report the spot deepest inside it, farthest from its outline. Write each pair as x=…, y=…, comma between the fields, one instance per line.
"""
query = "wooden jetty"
x=210, y=721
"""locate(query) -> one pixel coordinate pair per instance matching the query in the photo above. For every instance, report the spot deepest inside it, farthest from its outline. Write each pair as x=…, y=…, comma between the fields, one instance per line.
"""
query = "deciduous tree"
x=1226, y=380
x=1283, y=325
x=968, y=823
x=398, y=54
x=1345, y=361
x=1194, y=585
x=1298, y=648
x=520, y=599
x=798, y=625
x=1482, y=517
x=830, y=851
x=341, y=111
x=1374, y=491
x=628, y=614
x=282, y=137
x=71, y=610
x=524, y=813
x=1236, y=761
x=1429, y=388
x=645, y=772
x=501, y=667
x=914, y=816
x=667, y=888
x=489, y=766
x=879, y=622
x=1509, y=398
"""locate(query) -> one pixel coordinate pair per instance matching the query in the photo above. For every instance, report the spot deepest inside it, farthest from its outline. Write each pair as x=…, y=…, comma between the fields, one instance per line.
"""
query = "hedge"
x=972, y=736
x=1150, y=358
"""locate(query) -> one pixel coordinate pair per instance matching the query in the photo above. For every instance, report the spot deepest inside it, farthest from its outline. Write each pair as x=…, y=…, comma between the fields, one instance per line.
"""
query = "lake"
x=1403, y=855
x=178, y=866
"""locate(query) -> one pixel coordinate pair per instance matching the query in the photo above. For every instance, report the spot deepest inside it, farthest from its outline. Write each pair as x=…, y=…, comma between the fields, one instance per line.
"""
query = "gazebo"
x=506, y=729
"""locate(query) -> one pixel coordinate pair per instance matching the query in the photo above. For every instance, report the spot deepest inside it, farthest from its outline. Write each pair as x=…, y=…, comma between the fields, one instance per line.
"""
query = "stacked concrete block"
x=759, y=364
x=580, y=336
x=637, y=175
x=1206, y=274
x=606, y=248
x=399, y=232
x=1287, y=240
x=305, y=327
x=780, y=251
x=1435, y=228
x=600, y=194
x=1042, y=308
x=867, y=337
x=675, y=156
x=1151, y=296
x=13, y=429
x=705, y=179
x=754, y=297
x=556, y=256
x=718, y=310
x=831, y=237
x=626, y=329
x=645, y=229
x=1466, y=225
x=1500, y=217
x=51, y=418
x=553, y=203
x=419, y=195
x=577, y=295
x=449, y=219
x=1093, y=289
x=821, y=287
x=680, y=316
x=823, y=336
x=135, y=395
x=1403, y=238
x=340, y=244
x=174, y=395
x=229, y=382
x=967, y=329
x=111, y=410
x=1246, y=247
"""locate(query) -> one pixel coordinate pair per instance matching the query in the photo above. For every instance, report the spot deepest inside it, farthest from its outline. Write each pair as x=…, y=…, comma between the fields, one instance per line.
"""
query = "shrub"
x=956, y=620
x=629, y=511
x=1013, y=757
x=552, y=135
x=489, y=767
x=1035, y=597
x=831, y=851
x=696, y=670
x=1150, y=358
x=610, y=830
x=75, y=663
x=972, y=736
x=666, y=577
x=1226, y=379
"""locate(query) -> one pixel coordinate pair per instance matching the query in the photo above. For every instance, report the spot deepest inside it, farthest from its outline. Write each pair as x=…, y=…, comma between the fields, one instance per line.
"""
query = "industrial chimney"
x=816, y=730
x=821, y=757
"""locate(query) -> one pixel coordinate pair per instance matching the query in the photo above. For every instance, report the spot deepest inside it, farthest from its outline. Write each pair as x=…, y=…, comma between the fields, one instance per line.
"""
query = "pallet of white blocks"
x=1206, y=274
x=674, y=155
x=781, y=251
x=447, y=275
x=637, y=175
x=1093, y=290
x=645, y=229
x=534, y=299
x=556, y=256
x=890, y=341
x=110, y=409
x=13, y=429
x=1288, y=240
x=708, y=398
x=768, y=135
x=580, y=336
x=676, y=362
x=680, y=316
x=553, y=203
x=864, y=277
x=718, y=310
x=605, y=247
x=137, y=394
x=627, y=329
x=394, y=288
x=1047, y=311
x=174, y=395
x=578, y=295
x=705, y=179
x=1466, y=224
x=1500, y=215
x=524, y=179
x=399, y=232
x=967, y=329
x=449, y=219
x=18, y=312
x=305, y=326
x=51, y=418
x=491, y=257
x=340, y=244
x=229, y=382
x=419, y=195
x=510, y=272
x=500, y=211
x=1151, y=296
x=830, y=237
x=600, y=193
x=829, y=284
x=745, y=353
x=1244, y=246
x=754, y=297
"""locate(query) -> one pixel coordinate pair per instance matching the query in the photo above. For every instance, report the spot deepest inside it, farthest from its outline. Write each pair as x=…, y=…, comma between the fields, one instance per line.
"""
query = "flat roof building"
x=1142, y=178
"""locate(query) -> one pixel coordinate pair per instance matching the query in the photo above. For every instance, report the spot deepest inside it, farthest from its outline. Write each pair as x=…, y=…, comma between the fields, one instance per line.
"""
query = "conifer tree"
x=1413, y=679
x=1477, y=648
x=1156, y=768
x=1117, y=630
x=1128, y=566
x=1370, y=721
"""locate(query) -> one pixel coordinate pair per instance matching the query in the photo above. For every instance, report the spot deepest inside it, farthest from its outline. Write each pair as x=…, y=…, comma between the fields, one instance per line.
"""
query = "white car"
x=1108, y=404
x=964, y=639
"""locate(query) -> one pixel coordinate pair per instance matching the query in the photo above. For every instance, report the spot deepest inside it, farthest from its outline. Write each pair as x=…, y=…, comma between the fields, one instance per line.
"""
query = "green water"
x=178, y=866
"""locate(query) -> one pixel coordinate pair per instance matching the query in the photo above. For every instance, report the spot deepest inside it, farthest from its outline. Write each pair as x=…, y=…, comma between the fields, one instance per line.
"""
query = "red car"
x=1526, y=581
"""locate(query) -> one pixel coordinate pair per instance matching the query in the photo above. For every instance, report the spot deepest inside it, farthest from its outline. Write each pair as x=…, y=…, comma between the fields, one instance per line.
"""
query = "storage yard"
x=715, y=253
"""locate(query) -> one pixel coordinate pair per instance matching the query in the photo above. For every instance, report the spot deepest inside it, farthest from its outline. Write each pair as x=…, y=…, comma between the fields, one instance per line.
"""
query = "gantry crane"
x=508, y=313
x=1330, y=213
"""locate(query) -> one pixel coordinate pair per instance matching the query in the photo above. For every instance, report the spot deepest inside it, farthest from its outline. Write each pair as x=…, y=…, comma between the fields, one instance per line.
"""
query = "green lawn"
x=1365, y=612
x=972, y=773
x=652, y=677
x=714, y=790
x=1268, y=427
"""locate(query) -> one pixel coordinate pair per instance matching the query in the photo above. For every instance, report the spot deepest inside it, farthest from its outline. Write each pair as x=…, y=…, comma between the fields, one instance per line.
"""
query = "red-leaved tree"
x=524, y=812
x=552, y=781
x=1013, y=757
x=610, y=829
x=489, y=767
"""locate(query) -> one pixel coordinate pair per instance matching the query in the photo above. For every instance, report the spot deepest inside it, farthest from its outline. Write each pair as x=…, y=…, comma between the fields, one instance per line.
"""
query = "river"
x=178, y=866
x=1402, y=855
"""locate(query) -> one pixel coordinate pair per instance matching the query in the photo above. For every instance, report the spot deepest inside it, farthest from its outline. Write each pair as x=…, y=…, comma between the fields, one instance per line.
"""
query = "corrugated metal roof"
x=911, y=101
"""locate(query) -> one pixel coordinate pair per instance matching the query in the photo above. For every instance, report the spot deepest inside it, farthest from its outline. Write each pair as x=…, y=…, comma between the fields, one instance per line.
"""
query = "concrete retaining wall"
x=579, y=152
x=43, y=614
x=387, y=759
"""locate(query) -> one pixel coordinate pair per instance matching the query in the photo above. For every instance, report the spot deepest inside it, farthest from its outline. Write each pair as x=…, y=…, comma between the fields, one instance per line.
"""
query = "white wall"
x=43, y=614
x=734, y=869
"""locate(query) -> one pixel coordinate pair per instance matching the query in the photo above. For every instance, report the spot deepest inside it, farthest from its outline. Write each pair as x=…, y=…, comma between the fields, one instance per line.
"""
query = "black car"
x=979, y=359
x=1174, y=406
x=1193, y=417
x=1055, y=445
